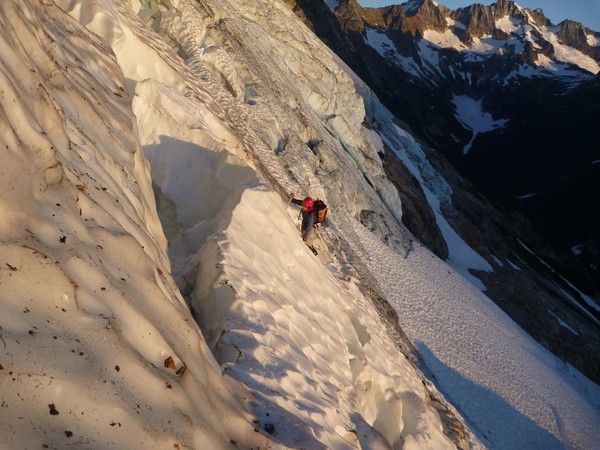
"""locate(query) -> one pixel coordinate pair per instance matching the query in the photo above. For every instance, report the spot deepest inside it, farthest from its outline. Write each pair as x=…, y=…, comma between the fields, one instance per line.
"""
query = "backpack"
x=320, y=209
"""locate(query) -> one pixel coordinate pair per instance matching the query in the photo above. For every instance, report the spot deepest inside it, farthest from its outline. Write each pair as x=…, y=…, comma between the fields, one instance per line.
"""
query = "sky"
x=584, y=11
x=231, y=334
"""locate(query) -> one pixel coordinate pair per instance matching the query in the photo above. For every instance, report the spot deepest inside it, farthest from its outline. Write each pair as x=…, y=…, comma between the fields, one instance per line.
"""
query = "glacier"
x=154, y=289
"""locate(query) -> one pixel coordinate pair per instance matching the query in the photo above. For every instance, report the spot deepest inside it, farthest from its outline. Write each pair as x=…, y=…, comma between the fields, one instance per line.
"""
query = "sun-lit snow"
x=566, y=63
x=447, y=39
x=529, y=36
x=593, y=40
x=453, y=23
x=99, y=346
x=480, y=49
x=508, y=24
x=233, y=334
x=567, y=54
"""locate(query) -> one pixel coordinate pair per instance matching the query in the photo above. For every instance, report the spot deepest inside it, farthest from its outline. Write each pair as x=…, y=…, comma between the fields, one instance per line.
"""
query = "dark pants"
x=311, y=234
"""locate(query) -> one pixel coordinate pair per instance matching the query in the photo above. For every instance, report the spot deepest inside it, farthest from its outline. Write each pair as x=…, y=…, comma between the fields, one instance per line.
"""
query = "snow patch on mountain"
x=386, y=48
x=564, y=324
x=412, y=6
x=447, y=39
x=380, y=42
x=455, y=23
x=562, y=65
x=508, y=24
x=470, y=113
x=568, y=54
x=332, y=4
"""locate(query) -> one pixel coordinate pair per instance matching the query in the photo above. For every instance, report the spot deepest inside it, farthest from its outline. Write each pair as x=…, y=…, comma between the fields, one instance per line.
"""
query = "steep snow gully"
x=232, y=334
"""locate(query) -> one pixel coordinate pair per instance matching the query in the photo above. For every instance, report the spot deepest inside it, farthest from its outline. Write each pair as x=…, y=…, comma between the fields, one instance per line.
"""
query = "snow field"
x=253, y=294
x=476, y=352
x=89, y=314
x=271, y=281
x=232, y=298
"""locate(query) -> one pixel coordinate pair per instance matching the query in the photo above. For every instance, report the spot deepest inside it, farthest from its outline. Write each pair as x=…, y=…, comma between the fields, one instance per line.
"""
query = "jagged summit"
x=480, y=20
x=423, y=7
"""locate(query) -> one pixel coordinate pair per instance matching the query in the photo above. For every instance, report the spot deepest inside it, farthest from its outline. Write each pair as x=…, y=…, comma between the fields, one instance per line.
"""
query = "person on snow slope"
x=308, y=220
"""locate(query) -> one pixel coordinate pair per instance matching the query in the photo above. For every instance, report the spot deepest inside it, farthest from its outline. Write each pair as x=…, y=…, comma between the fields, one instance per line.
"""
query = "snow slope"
x=498, y=376
x=101, y=347
x=94, y=331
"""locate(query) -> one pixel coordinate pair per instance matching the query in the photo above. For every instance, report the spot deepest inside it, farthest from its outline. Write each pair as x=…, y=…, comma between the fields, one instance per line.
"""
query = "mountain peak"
x=412, y=17
x=480, y=19
x=573, y=34
x=413, y=6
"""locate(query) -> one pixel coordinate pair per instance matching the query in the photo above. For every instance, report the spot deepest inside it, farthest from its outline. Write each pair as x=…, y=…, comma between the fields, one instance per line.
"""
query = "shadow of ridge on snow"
x=258, y=394
x=200, y=188
x=202, y=182
x=283, y=426
x=492, y=419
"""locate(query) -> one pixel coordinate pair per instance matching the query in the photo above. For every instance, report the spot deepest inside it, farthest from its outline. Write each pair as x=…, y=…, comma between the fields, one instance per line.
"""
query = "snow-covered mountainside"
x=474, y=46
x=508, y=97
x=515, y=42
x=523, y=136
x=155, y=292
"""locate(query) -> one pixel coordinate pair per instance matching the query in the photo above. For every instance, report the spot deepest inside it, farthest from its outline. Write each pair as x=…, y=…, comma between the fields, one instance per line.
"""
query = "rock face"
x=531, y=180
x=417, y=215
x=481, y=20
x=575, y=35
